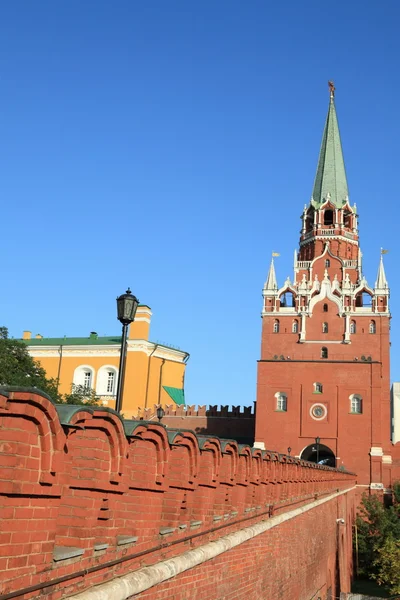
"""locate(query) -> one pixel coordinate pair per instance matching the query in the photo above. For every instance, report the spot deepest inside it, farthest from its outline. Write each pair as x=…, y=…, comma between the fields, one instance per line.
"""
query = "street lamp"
x=160, y=413
x=289, y=450
x=317, y=442
x=126, y=310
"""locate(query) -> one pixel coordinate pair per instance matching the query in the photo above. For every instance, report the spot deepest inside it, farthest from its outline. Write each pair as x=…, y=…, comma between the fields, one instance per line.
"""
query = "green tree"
x=81, y=395
x=387, y=565
x=18, y=368
x=376, y=524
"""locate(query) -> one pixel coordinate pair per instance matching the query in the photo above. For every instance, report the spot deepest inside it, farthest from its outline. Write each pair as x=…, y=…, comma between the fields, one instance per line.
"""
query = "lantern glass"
x=126, y=307
x=160, y=413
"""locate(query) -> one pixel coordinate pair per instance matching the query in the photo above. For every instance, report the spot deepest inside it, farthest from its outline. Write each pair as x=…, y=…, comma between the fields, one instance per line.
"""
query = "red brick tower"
x=324, y=367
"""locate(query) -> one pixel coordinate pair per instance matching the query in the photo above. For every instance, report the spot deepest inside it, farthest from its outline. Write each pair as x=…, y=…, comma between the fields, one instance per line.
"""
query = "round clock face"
x=318, y=411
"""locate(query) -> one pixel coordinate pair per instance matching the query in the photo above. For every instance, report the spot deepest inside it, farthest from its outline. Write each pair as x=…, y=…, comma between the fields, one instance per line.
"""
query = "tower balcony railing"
x=303, y=264
x=329, y=232
x=326, y=232
x=350, y=264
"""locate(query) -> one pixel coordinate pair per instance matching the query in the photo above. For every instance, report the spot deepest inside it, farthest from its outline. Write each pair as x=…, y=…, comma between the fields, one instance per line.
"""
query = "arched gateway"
x=321, y=455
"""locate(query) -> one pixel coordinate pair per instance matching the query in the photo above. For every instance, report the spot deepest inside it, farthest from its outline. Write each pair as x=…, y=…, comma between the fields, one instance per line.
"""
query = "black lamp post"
x=317, y=442
x=126, y=310
x=289, y=450
x=160, y=413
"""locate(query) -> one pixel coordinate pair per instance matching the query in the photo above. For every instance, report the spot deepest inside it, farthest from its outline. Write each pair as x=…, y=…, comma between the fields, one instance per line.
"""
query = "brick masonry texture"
x=237, y=423
x=132, y=493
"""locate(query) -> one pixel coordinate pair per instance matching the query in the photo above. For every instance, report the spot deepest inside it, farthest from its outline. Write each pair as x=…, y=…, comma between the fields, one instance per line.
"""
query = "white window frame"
x=295, y=327
x=372, y=327
x=276, y=326
x=102, y=380
x=281, y=401
x=353, y=327
x=79, y=376
x=318, y=388
x=356, y=406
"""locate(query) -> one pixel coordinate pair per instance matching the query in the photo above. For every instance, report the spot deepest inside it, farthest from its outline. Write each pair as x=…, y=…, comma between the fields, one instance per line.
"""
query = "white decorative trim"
x=102, y=380
x=74, y=351
x=323, y=406
x=387, y=459
x=331, y=237
x=140, y=580
x=326, y=292
x=323, y=342
x=259, y=445
x=143, y=310
x=140, y=319
x=376, y=451
x=100, y=351
x=376, y=486
x=78, y=376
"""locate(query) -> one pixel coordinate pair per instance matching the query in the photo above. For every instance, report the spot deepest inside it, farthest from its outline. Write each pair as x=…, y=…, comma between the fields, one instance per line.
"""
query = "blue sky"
x=171, y=145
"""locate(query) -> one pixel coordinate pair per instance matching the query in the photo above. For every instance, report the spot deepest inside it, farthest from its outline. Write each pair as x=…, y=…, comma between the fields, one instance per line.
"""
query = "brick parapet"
x=172, y=410
x=81, y=489
x=225, y=422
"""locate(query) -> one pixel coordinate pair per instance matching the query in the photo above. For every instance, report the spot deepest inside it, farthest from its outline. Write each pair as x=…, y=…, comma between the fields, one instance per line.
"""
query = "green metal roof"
x=74, y=341
x=177, y=394
x=331, y=173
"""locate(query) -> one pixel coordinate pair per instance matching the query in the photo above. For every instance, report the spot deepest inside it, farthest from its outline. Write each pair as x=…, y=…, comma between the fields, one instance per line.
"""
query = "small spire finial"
x=331, y=89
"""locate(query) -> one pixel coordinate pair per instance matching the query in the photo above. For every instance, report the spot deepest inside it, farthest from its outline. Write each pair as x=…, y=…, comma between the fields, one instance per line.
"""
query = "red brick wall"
x=294, y=561
x=130, y=494
x=237, y=423
x=292, y=367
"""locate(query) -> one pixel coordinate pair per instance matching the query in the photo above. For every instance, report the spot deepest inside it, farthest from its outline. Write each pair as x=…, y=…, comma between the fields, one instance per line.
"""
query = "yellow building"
x=154, y=373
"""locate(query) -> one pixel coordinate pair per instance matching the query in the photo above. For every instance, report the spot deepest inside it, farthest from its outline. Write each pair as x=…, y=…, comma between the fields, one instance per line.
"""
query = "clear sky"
x=170, y=146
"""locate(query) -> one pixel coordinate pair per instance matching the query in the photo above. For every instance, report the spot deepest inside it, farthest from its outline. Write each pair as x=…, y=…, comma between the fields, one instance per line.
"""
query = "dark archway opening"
x=324, y=455
x=328, y=217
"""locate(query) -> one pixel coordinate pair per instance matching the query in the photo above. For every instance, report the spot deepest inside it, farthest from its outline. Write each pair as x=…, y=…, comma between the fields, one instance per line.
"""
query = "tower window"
x=372, y=327
x=318, y=388
x=324, y=352
x=325, y=308
x=356, y=404
x=328, y=217
x=347, y=220
x=324, y=327
x=295, y=327
x=353, y=327
x=281, y=401
x=327, y=263
x=276, y=326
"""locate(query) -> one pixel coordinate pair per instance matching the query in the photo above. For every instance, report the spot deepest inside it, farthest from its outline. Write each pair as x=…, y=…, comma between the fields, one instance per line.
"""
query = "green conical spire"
x=331, y=174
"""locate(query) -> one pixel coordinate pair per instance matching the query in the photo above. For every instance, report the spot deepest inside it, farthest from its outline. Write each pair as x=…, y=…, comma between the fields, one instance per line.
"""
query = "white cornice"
x=328, y=238
x=145, y=346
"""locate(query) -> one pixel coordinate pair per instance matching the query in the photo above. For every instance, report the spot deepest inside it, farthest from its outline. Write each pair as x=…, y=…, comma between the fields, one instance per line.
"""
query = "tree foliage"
x=18, y=368
x=387, y=565
x=81, y=395
x=378, y=540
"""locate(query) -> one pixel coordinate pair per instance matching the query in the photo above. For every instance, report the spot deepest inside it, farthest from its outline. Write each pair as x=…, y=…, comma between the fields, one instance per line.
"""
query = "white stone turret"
x=271, y=284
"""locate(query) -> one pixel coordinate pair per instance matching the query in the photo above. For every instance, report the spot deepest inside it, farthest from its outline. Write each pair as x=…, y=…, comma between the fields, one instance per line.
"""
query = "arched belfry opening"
x=320, y=454
x=287, y=299
x=328, y=217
